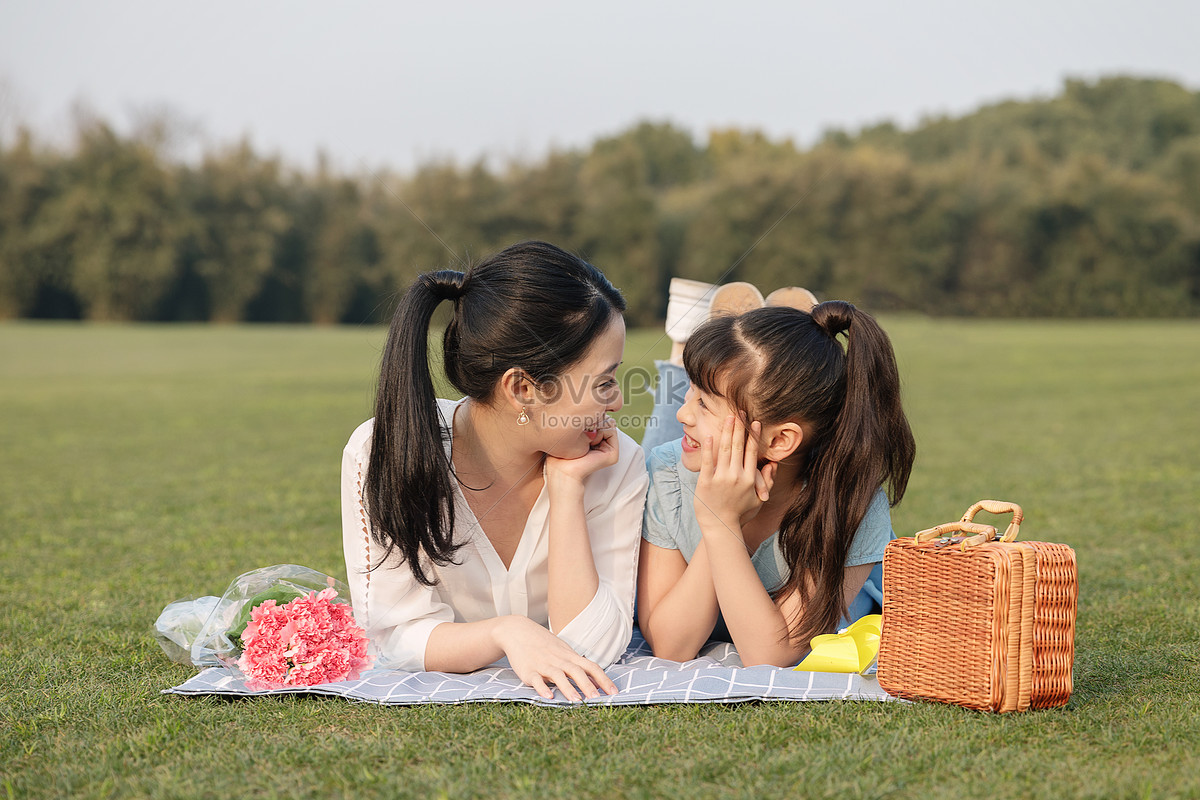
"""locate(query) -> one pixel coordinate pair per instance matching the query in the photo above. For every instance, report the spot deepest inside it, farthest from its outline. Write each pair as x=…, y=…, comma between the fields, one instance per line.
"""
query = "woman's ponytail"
x=533, y=307
x=408, y=493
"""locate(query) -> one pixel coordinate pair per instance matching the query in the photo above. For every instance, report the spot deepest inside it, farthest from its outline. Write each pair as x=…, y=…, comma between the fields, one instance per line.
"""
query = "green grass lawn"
x=143, y=464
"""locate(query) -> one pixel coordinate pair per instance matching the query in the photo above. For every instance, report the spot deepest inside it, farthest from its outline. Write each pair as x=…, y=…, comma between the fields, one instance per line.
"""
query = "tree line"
x=1083, y=204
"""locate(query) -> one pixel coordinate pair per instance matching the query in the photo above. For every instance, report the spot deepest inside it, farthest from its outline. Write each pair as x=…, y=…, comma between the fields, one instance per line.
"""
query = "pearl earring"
x=523, y=419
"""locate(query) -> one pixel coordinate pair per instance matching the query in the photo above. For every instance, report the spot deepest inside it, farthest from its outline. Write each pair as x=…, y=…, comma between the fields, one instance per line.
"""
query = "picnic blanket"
x=717, y=676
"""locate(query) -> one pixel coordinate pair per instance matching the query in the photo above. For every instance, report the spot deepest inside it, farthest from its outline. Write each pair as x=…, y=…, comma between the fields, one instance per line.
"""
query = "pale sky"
x=394, y=84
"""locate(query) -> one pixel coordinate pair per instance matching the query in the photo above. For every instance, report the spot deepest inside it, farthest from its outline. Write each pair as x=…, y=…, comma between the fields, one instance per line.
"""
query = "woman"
x=504, y=525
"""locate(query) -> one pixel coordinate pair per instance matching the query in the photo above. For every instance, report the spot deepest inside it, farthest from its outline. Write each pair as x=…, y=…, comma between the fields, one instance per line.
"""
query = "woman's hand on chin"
x=540, y=658
x=602, y=453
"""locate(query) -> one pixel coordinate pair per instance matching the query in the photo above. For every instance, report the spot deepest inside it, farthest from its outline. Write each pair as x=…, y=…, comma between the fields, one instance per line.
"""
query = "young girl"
x=770, y=513
x=503, y=525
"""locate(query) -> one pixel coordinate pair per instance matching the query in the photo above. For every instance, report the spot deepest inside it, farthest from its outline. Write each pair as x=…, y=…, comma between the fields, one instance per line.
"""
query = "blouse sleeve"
x=396, y=611
x=602, y=631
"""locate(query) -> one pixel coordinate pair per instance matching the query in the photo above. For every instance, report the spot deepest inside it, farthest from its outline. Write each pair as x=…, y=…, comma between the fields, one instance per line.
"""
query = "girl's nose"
x=684, y=414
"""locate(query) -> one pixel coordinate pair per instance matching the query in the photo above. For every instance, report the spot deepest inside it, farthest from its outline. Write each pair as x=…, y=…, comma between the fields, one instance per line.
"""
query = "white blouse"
x=399, y=613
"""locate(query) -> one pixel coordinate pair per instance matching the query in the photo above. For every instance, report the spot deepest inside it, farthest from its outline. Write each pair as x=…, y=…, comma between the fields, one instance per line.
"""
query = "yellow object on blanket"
x=853, y=650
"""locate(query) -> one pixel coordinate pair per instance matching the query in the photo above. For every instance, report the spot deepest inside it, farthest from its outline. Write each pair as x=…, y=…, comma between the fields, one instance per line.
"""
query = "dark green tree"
x=121, y=218
x=238, y=211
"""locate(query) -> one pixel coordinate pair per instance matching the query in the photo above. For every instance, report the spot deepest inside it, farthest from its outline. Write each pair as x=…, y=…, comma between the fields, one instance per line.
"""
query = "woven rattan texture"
x=1054, y=624
x=990, y=628
x=945, y=634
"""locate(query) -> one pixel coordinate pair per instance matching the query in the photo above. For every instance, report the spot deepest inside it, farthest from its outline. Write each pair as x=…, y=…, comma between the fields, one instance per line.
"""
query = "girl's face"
x=577, y=405
x=702, y=415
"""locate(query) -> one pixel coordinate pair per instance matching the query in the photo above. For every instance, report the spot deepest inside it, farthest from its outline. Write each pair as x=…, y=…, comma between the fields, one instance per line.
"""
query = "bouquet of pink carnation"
x=282, y=625
x=309, y=640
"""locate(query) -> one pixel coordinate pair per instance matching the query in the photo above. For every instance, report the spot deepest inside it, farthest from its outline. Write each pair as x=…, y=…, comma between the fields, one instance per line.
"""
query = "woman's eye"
x=700, y=402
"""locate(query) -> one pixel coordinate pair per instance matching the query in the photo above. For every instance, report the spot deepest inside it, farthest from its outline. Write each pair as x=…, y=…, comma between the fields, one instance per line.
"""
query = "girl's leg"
x=668, y=398
x=689, y=305
x=687, y=308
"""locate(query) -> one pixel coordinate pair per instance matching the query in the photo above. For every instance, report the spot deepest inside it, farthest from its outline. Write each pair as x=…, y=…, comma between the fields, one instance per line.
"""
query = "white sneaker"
x=687, y=307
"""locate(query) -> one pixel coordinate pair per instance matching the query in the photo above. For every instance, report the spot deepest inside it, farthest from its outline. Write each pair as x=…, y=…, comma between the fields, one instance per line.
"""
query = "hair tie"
x=833, y=316
x=446, y=284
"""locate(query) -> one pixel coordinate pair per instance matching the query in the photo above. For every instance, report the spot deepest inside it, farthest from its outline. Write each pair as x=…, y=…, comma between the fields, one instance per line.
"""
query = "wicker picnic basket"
x=978, y=622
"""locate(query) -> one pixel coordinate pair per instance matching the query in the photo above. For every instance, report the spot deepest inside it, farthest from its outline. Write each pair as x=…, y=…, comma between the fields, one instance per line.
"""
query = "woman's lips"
x=595, y=432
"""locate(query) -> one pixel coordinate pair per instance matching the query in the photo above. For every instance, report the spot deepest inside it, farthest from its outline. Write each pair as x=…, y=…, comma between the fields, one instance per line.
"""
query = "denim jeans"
x=668, y=398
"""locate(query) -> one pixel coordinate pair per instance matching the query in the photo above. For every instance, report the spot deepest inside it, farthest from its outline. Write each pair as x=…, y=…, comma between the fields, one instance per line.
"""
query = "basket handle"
x=981, y=533
x=999, y=507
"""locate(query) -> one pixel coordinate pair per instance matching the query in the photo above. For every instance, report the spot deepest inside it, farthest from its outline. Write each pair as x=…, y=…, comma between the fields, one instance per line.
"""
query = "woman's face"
x=577, y=405
x=702, y=415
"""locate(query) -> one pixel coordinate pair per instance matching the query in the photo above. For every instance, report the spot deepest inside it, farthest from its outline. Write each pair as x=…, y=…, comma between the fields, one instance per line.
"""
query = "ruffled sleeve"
x=873, y=533
x=661, y=523
x=613, y=504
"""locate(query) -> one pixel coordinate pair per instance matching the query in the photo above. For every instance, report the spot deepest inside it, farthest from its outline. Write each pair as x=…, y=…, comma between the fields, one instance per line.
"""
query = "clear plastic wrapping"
x=179, y=624
x=213, y=642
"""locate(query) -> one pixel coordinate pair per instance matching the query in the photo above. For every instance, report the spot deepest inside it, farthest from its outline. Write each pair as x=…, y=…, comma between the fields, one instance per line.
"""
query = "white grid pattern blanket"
x=716, y=677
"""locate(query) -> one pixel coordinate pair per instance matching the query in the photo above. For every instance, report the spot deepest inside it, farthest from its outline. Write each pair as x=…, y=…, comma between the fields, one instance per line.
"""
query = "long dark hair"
x=779, y=364
x=531, y=306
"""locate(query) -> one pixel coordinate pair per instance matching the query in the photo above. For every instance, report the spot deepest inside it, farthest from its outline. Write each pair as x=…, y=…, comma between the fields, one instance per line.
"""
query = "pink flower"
x=309, y=641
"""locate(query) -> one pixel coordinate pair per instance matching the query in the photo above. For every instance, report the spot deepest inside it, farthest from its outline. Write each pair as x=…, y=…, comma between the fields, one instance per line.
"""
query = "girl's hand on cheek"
x=731, y=488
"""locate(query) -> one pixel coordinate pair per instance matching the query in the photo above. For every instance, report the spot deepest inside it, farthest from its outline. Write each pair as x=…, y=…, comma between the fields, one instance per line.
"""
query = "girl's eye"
x=700, y=402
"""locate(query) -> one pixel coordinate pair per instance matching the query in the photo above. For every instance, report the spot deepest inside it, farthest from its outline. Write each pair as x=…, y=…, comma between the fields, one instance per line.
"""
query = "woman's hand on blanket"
x=732, y=488
x=540, y=658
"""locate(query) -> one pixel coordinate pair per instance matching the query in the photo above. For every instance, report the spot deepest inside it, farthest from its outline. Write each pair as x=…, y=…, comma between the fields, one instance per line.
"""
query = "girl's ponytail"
x=871, y=433
x=780, y=364
x=408, y=494
x=868, y=445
